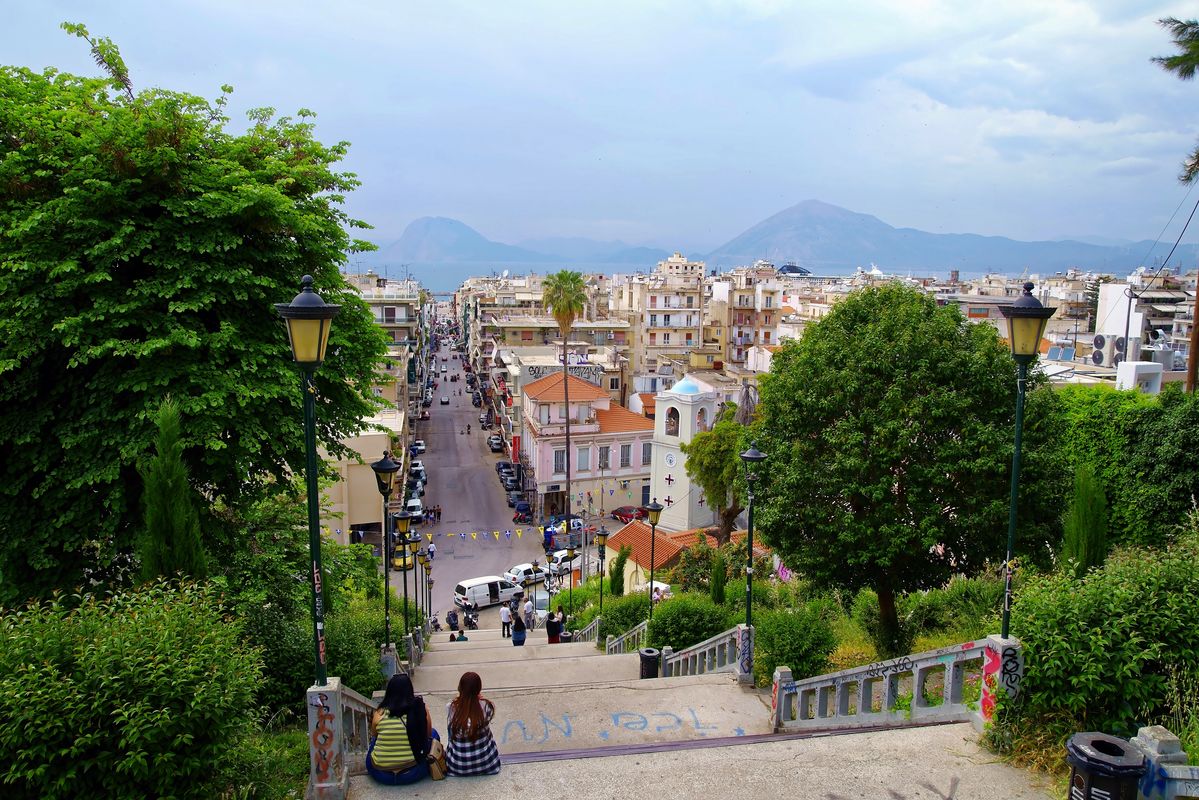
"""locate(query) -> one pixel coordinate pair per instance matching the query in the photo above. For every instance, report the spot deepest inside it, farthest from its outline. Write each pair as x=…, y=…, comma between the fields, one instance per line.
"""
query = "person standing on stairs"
x=472, y=749
x=529, y=623
x=518, y=632
x=505, y=621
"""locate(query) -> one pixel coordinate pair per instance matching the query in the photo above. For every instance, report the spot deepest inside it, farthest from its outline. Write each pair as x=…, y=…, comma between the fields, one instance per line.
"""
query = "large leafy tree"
x=713, y=463
x=142, y=246
x=889, y=434
x=565, y=295
x=1185, y=34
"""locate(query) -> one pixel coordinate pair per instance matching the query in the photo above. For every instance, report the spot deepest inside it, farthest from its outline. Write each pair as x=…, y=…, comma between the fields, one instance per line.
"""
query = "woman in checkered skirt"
x=471, y=750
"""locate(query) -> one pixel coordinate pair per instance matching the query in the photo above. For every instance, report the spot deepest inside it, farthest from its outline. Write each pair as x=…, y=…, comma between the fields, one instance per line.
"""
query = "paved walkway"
x=928, y=763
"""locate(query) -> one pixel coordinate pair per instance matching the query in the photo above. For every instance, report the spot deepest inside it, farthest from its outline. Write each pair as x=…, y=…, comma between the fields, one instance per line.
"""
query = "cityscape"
x=600, y=399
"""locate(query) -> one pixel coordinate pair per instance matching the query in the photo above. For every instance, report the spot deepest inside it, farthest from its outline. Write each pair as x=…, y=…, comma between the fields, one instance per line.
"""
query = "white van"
x=489, y=590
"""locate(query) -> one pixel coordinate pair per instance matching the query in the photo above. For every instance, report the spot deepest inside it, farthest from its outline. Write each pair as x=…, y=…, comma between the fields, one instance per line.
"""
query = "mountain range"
x=824, y=238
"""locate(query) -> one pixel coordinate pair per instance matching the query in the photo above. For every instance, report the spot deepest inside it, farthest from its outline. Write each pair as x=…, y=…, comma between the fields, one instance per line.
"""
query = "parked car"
x=504, y=466
x=427, y=402
x=518, y=573
x=416, y=489
x=510, y=482
x=483, y=418
x=416, y=509
x=444, y=369
x=514, y=497
x=476, y=402
x=418, y=446
x=627, y=514
x=495, y=443
x=524, y=512
x=579, y=532
x=560, y=564
x=445, y=401
x=424, y=415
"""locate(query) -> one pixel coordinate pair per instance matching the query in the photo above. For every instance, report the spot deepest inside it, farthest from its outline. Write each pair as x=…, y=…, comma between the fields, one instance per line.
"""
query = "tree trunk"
x=727, y=521
x=889, y=641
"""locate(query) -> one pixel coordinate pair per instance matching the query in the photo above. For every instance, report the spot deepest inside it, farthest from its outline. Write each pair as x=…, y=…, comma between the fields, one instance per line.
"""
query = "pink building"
x=611, y=447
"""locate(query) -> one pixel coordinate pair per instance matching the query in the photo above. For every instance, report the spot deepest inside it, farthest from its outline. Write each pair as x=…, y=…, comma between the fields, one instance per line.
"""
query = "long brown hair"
x=467, y=720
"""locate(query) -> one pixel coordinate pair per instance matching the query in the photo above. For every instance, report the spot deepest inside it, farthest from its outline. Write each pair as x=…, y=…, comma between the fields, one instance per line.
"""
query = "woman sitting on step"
x=401, y=732
x=472, y=749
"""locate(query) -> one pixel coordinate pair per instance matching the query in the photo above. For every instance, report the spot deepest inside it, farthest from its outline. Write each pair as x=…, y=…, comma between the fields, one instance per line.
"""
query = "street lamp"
x=1026, y=325
x=422, y=556
x=750, y=458
x=403, y=523
x=653, y=512
x=308, y=319
x=413, y=546
x=601, y=539
x=570, y=592
x=385, y=475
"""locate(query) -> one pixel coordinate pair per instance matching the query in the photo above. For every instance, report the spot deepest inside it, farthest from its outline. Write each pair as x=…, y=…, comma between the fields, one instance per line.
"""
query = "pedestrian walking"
x=553, y=629
x=529, y=613
x=432, y=550
x=505, y=622
x=472, y=749
x=518, y=632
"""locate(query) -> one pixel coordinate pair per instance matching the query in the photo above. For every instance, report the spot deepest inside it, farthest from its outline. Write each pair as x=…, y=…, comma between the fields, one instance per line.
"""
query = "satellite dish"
x=504, y=274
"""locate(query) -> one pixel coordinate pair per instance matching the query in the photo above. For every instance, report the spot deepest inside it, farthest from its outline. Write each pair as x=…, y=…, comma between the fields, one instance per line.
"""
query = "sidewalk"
x=928, y=763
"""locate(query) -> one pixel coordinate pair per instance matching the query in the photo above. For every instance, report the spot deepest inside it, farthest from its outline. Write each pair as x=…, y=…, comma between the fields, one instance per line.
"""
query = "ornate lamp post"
x=422, y=556
x=601, y=539
x=403, y=523
x=653, y=512
x=1026, y=325
x=413, y=546
x=750, y=458
x=570, y=590
x=385, y=475
x=308, y=319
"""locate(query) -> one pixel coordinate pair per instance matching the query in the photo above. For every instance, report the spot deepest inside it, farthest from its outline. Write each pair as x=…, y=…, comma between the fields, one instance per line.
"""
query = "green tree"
x=889, y=432
x=565, y=296
x=616, y=571
x=713, y=463
x=170, y=539
x=1185, y=34
x=1085, y=528
x=143, y=246
x=719, y=577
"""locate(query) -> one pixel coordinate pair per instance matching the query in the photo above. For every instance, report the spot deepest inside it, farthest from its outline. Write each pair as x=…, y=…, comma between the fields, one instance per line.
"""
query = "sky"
x=680, y=124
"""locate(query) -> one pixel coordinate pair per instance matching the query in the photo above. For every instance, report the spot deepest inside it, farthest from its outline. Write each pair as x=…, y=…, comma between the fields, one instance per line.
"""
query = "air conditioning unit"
x=611, y=337
x=1105, y=353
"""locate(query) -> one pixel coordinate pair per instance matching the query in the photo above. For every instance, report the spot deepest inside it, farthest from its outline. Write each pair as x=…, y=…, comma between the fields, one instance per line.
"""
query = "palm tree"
x=565, y=295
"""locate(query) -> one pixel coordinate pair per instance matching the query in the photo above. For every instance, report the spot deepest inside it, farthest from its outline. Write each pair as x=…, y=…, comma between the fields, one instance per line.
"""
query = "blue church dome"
x=685, y=386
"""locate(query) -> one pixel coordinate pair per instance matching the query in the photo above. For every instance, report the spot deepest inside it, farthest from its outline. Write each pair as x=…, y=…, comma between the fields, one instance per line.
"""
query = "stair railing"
x=721, y=653
x=627, y=642
x=338, y=738
x=589, y=633
x=960, y=683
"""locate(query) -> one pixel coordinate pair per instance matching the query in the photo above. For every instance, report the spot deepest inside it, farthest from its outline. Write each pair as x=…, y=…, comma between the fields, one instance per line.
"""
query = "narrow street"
x=462, y=479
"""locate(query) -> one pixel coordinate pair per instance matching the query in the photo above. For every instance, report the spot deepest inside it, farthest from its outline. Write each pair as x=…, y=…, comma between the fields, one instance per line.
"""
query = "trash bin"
x=649, y=661
x=566, y=637
x=1103, y=766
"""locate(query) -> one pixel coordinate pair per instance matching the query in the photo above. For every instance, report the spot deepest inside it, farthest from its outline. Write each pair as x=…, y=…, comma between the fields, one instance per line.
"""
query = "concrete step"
x=442, y=641
x=943, y=761
x=482, y=634
x=451, y=654
x=601, y=713
x=527, y=667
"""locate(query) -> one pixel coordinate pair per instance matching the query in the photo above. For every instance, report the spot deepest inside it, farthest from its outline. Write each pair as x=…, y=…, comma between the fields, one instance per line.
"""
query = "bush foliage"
x=801, y=639
x=139, y=694
x=686, y=619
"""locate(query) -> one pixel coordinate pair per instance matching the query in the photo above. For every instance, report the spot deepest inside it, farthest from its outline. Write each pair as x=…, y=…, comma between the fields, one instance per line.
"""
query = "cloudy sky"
x=679, y=124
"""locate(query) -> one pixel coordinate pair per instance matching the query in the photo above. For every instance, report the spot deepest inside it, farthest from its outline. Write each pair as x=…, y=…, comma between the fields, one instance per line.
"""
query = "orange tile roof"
x=549, y=389
x=686, y=539
x=647, y=401
x=637, y=535
x=619, y=419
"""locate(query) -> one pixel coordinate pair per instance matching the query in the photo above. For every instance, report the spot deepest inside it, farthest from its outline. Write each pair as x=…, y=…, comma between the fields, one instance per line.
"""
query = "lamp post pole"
x=570, y=592
x=385, y=472
x=750, y=458
x=1026, y=319
x=654, y=512
x=403, y=521
x=308, y=319
x=601, y=541
x=413, y=546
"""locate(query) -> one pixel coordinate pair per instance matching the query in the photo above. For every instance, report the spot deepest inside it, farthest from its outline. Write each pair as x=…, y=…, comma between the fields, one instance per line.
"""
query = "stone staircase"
x=575, y=721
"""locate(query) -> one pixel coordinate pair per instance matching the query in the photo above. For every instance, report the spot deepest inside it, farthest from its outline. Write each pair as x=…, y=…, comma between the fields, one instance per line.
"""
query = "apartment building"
x=664, y=310
x=401, y=309
x=747, y=301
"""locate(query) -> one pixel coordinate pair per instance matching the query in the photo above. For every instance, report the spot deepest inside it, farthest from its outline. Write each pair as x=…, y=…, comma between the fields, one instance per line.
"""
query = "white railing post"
x=782, y=698
x=1003, y=671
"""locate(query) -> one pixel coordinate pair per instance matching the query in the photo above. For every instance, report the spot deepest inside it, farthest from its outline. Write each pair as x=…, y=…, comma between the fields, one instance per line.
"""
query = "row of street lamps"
x=309, y=318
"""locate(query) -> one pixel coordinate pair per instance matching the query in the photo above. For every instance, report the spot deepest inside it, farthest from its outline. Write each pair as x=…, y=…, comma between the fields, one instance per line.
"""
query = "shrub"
x=1100, y=650
x=623, y=613
x=287, y=656
x=801, y=639
x=354, y=634
x=694, y=569
x=865, y=612
x=142, y=693
x=684, y=620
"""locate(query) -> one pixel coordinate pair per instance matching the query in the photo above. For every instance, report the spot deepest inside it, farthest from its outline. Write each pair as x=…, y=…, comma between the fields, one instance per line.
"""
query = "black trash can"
x=649, y=661
x=1103, y=766
x=566, y=637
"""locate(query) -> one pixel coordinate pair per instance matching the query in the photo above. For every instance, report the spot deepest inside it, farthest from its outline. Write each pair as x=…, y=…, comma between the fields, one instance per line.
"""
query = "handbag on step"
x=436, y=760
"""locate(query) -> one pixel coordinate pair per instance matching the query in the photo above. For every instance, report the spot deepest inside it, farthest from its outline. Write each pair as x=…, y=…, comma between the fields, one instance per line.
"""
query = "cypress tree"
x=616, y=572
x=1085, y=538
x=717, y=581
x=169, y=542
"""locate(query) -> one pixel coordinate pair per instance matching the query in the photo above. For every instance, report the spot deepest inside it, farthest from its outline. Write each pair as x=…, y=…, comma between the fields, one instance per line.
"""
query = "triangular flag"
x=474, y=535
x=508, y=535
x=496, y=534
x=462, y=536
x=518, y=533
x=430, y=536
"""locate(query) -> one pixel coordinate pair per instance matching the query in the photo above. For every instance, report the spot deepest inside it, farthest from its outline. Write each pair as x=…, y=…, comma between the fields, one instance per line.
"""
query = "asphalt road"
x=462, y=479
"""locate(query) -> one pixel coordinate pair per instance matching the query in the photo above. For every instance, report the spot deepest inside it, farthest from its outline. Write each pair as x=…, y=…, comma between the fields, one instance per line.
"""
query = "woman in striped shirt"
x=401, y=730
